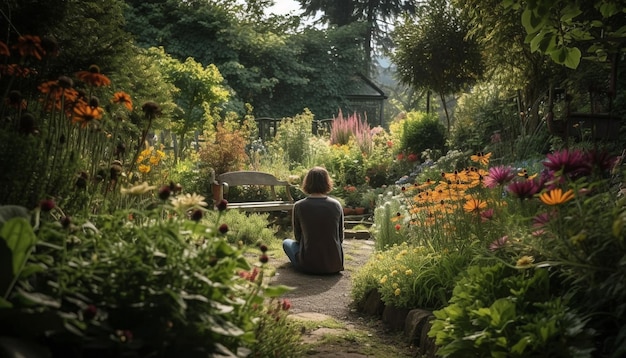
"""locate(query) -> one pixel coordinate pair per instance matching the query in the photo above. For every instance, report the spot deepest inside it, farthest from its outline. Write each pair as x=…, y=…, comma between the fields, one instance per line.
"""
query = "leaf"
x=20, y=238
x=532, y=23
x=276, y=291
x=572, y=60
x=4, y=303
x=40, y=299
x=7, y=212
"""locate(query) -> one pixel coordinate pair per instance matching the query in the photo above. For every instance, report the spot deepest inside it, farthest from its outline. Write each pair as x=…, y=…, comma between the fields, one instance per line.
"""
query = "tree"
x=435, y=53
x=199, y=93
x=376, y=14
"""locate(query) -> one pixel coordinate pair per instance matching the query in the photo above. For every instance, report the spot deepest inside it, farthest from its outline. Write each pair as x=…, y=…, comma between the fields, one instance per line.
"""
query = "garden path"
x=320, y=297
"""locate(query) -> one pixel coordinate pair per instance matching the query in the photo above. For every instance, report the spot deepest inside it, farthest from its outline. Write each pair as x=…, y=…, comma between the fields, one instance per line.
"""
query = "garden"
x=112, y=245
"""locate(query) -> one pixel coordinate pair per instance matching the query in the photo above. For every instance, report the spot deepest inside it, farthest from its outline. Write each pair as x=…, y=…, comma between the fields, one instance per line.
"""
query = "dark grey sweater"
x=318, y=227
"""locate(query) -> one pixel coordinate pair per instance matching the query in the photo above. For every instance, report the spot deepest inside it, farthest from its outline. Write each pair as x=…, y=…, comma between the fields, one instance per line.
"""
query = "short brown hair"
x=317, y=181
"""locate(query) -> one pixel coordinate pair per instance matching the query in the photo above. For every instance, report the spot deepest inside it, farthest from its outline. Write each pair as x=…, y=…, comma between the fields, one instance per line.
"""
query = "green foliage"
x=435, y=52
x=421, y=131
x=245, y=228
x=545, y=21
x=388, y=224
x=226, y=150
x=410, y=277
x=499, y=311
x=149, y=281
x=292, y=138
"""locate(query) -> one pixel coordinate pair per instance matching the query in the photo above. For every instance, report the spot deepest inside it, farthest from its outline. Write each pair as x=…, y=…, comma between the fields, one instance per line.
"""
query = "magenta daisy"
x=499, y=175
x=523, y=189
x=572, y=163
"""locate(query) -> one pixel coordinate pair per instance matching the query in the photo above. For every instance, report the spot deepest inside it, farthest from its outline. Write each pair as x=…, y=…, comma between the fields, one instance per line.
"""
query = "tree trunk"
x=445, y=109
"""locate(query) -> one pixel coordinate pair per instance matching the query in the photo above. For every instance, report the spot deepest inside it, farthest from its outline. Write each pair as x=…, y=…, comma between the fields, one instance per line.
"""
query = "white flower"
x=138, y=189
x=188, y=201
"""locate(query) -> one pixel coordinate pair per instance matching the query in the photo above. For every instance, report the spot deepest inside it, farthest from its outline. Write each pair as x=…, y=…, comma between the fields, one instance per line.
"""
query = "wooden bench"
x=241, y=178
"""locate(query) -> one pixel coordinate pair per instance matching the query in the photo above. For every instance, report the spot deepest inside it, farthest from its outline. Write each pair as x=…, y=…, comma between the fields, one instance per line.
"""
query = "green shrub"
x=421, y=131
x=245, y=228
x=292, y=138
x=410, y=277
x=132, y=283
x=500, y=311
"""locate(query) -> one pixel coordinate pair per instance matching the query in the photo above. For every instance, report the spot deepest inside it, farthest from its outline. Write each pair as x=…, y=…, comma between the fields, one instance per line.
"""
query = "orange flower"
x=556, y=196
x=123, y=98
x=28, y=45
x=474, y=205
x=4, y=49
x=85, y=114
x=93, y=77
x=482, y=158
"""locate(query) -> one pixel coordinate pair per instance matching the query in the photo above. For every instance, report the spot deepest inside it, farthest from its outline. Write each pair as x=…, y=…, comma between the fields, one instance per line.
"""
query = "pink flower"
x=499, y=175
x=499, y=243
x=523, y=189
x=486, y=215
x=572, y=163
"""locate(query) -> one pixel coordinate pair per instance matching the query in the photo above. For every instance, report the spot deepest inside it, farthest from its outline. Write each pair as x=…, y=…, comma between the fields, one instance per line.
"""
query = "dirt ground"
x=323, y=297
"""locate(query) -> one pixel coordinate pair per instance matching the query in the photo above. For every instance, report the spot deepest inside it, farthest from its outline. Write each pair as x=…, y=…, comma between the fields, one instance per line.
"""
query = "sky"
x=284, y=7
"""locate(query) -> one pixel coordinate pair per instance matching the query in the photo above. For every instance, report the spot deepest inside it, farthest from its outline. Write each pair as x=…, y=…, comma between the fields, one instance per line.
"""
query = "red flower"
x=264, y=259
x=222, y=205
x=398, y=227
x=46, y=205
x=223, y=228
x=412, y=157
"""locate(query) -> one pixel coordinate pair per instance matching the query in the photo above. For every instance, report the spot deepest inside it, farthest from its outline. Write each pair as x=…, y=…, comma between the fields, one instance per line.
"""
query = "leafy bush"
x=499, y=311
x=421, y=131
x=410, y=277
x=227, y=150
x=150, y=283
x=245, y=228
x=291, y=139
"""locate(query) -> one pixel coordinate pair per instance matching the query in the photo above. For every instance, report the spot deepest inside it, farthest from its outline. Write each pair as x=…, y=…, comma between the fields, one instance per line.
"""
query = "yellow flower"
x=383, y=279
x=394, y=272
x=379, y=256
x=144, y=168
x=474, y=205
x=408, y=272
x=154, y=160
x=556, y=196
x=481, y=158
x=397, y=292
x=525, y=262
x=138, y=189
x=395, y=285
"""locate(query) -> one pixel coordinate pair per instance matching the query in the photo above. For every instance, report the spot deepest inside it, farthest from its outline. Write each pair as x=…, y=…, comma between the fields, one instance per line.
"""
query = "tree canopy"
x=434, y=52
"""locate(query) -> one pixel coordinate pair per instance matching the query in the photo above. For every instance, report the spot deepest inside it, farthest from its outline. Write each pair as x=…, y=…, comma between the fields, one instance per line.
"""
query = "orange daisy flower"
x=123, y=98
x=4, y=49
x=482, y=158
x=474, y=205
x=86, y=114
x=93, y=77
x=556, y=196
x=29, y=45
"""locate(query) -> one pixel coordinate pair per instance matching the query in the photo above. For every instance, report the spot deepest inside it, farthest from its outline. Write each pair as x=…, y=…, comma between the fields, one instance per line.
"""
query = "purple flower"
x=499, y=243
x=571, y=163
x=523, y=189
x=499, y=175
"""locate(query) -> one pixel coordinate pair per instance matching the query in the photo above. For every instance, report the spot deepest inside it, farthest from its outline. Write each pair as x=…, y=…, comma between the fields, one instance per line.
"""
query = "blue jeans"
x=291, y=248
